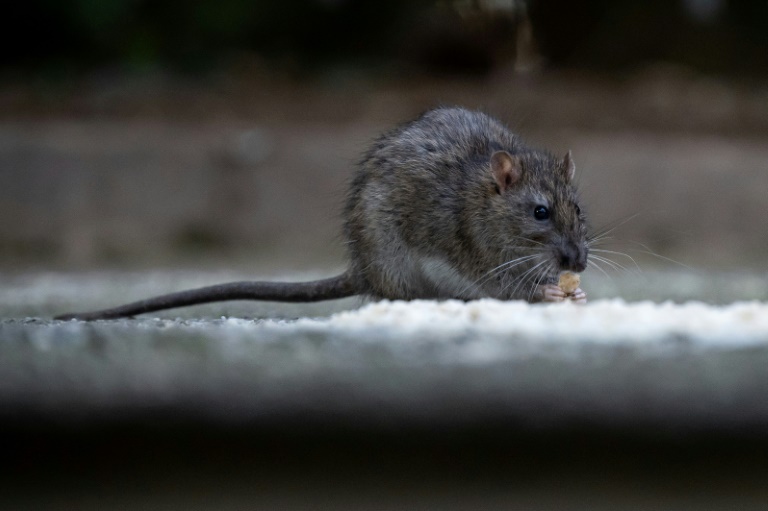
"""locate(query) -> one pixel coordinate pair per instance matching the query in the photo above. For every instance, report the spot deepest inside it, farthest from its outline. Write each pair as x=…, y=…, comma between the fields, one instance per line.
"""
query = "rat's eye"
x=541, y=213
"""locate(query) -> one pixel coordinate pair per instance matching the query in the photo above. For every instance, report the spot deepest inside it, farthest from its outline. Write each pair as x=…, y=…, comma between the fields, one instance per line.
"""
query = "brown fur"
x=425, y=191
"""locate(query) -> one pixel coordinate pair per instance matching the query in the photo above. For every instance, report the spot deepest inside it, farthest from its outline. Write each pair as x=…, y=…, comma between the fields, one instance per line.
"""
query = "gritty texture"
x=419, y=405
x=444, y=361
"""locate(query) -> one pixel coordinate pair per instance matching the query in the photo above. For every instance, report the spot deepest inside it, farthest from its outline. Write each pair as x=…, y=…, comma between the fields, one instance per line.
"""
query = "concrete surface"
x=485, y=405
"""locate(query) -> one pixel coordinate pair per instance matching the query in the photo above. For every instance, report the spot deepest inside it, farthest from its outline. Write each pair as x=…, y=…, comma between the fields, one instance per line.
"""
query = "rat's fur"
x=441, y=207
x=425, y=201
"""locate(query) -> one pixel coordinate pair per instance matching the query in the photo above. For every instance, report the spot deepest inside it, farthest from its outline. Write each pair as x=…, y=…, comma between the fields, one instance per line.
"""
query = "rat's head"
x=539, y=210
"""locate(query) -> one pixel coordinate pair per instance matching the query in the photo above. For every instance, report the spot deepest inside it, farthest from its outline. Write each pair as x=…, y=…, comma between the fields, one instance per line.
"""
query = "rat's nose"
x=573, y=257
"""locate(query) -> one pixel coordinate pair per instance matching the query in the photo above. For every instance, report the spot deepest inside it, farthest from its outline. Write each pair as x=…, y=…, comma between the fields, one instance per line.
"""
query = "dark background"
x=141, y=133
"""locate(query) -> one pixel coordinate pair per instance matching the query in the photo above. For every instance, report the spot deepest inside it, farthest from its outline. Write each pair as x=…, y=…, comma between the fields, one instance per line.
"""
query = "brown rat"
x=450, y=205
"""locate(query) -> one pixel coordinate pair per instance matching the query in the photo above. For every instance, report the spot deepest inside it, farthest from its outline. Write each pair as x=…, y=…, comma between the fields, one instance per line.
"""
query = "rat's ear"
x=569, y=166
x=506, y=169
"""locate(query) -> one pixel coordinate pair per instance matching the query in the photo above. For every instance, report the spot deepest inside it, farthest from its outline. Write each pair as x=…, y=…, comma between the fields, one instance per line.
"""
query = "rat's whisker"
x=529, y=240
x=648, y=251
x=541, y=275
x=614, y=252
x=536, y=278
x=613, y=264
x=523, y=279
x=497, y=270
x=597, y=240
x=517, y=280
x=598, y=267
x=612, y=226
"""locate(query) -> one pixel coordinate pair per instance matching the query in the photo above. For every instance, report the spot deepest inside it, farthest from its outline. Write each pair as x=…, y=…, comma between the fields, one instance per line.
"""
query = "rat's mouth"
x=571, y=257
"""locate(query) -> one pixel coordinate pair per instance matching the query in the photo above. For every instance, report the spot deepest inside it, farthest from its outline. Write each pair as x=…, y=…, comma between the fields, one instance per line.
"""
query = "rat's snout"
x=573, y=257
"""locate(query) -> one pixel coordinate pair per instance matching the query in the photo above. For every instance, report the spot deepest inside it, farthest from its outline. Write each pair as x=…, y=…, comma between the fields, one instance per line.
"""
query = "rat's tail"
x=327, y=289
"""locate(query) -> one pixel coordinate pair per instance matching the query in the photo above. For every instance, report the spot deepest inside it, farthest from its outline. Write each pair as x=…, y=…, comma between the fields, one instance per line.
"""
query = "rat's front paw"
x=578, y=296
x=554, y=294
x=551, y=293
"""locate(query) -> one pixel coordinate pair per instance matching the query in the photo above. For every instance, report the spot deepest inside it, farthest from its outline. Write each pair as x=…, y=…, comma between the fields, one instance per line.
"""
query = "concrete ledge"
x=440, y=405
x=663, y=365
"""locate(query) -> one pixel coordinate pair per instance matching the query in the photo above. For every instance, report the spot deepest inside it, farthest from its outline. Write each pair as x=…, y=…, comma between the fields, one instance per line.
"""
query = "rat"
x=451, y=205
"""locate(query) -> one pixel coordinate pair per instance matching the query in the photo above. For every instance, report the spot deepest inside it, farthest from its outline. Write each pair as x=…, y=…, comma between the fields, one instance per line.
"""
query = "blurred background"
x=216, y=137
x=138, y=133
